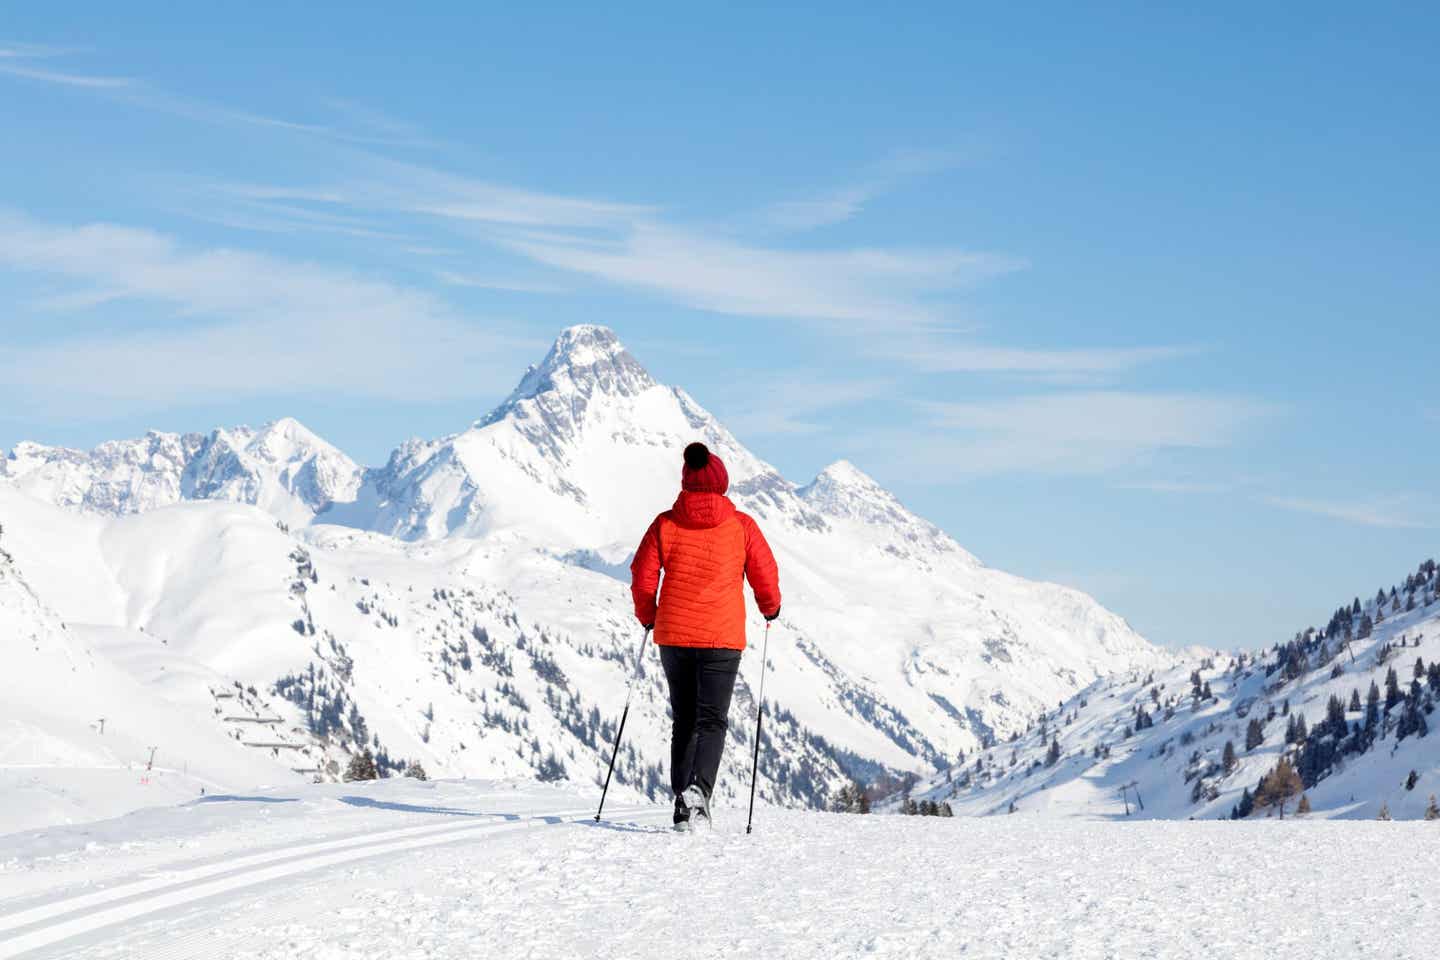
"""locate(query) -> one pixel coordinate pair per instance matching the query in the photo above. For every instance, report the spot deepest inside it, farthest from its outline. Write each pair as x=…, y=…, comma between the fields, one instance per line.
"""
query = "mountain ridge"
x=481, y=568
x=282, y=467
x=1202, y=738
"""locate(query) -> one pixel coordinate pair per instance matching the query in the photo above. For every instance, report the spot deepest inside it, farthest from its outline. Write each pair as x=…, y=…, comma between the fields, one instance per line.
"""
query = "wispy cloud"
x=632, y=246
x=844, y=203
x=1083, y=432
x=788, y=404
x=33, y=51
x=892, y=295
x=256, y=324
x=628, y=245
x=939, y=356
x=287, y=218
x=836, y=207
x=149, y=97
x=483, y=282
x=11, y=64
x=874, y=287
x=380, y=185
x=1395, y=513
x=371, y=128
x=1177, y=486
x=363, y=116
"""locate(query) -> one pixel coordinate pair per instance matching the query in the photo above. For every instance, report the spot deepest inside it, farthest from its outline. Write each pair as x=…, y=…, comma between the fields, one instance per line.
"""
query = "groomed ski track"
x=515, y=870
x=51, y=927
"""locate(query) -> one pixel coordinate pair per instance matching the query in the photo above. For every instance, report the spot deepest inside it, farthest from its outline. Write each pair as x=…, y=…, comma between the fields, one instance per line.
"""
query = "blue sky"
x=1142, y=302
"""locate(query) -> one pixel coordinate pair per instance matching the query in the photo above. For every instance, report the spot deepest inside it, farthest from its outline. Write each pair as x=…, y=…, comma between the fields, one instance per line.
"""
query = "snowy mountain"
x=459, y=606
x=282, y=468
x=1348, y=708
x=581, y=455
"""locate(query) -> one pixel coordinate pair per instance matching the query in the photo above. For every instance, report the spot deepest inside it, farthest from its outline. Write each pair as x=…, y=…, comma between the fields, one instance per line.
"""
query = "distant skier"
x=705, y=547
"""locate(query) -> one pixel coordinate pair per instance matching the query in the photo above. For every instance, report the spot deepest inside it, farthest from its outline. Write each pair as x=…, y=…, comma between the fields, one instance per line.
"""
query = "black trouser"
x=701, y=681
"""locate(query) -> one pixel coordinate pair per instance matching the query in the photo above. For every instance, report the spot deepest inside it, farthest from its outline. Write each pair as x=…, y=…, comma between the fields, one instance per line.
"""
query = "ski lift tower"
x=1125, y=789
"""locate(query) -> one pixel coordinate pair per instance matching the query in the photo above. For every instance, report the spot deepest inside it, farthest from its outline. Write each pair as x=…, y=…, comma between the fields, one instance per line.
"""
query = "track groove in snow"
x=28, y=930
x=160, y=878
x=804, y=886
x=825, y=886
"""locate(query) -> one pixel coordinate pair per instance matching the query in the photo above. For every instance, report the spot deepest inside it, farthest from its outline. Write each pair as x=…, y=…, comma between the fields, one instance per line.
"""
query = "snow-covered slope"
x=1164, y=739
x=76, y=727
x=464, y=606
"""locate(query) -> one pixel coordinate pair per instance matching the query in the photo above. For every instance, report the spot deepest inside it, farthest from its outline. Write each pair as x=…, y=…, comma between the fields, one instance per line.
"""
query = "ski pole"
x=629, y=689
x=759, y=719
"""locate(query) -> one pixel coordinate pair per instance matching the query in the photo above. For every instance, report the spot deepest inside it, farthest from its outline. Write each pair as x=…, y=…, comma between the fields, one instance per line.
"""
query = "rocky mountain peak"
x=288, y=439
x=845, y=492
x=585, y=360
x=842, y=488
x=282, y=467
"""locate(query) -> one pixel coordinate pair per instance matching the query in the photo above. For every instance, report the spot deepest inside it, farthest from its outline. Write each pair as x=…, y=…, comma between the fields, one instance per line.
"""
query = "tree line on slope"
x=1313, y=753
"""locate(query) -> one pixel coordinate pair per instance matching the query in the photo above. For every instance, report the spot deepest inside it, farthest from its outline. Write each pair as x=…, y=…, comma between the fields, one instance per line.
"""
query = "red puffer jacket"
x=706, y=547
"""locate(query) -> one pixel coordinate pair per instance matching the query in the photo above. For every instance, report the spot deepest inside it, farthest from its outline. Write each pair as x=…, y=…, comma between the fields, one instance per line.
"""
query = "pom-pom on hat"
x=703, y=471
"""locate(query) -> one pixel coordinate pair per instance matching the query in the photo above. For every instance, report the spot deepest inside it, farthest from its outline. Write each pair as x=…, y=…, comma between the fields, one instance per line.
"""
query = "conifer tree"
x=851, y=798
x=1254, y=734
x=1228, y=759
x=1355, y=700
x=362, y=767
x=1052, y=756
x=1411, y=780
x=1335, y=716
x=415, y=772
x=1304, y=806
x=1432, y=810
x=1384, y=812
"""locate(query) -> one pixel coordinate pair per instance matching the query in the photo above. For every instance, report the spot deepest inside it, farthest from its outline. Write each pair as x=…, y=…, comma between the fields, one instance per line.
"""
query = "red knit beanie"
x=703, y=472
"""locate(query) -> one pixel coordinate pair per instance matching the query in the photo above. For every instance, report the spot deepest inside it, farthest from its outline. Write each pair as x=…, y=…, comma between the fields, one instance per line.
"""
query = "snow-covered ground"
x=396, y=869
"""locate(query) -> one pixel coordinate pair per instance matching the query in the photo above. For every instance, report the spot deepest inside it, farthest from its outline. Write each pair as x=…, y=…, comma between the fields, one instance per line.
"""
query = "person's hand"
x=773, y=615
x=648, y=626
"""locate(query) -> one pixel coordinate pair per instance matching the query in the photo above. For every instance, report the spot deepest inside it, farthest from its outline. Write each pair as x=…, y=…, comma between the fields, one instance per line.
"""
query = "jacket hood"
x=698, y=509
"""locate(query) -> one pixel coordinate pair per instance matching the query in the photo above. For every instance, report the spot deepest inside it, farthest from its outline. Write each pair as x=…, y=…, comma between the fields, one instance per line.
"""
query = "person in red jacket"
x=706, y=549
